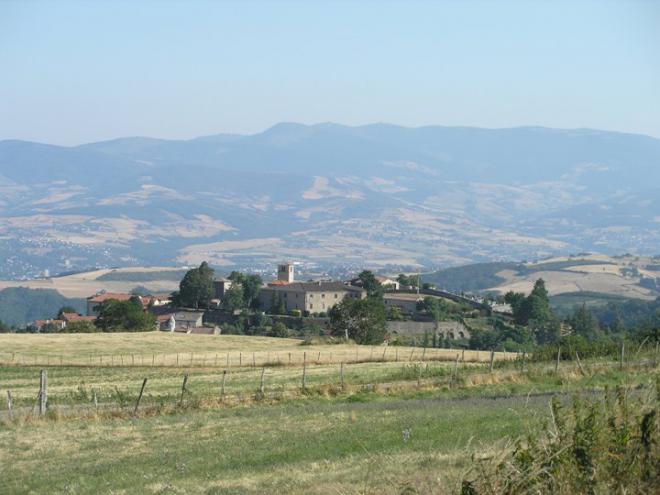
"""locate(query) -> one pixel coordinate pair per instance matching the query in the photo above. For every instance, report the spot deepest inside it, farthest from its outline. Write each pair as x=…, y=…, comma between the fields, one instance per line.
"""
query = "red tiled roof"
x=99, y=298
x=278, y=282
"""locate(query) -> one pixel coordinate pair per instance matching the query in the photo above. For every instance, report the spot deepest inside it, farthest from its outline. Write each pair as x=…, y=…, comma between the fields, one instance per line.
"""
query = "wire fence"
x=239, y=359
x=144, y=393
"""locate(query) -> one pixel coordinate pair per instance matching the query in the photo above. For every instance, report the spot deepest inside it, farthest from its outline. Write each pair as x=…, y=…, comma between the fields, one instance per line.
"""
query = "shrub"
x=599, y=446
x=279, y=329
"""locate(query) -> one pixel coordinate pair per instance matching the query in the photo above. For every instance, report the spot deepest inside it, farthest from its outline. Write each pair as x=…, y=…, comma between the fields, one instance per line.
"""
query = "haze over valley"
x=330, y=196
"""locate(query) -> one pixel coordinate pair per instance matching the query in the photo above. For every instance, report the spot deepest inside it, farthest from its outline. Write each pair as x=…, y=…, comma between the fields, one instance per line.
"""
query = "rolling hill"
x=339, y=197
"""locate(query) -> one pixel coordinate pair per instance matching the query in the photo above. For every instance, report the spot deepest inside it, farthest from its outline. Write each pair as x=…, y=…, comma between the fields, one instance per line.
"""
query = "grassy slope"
x=311, y=447
x=345, y=444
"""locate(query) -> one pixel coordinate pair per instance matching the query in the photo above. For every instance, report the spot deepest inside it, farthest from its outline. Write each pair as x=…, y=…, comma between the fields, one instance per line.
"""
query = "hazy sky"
x=73, y=72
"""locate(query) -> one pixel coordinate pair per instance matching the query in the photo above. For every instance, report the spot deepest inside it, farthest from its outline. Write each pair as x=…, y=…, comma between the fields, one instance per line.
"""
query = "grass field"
x=168, y=349
x=395, y=427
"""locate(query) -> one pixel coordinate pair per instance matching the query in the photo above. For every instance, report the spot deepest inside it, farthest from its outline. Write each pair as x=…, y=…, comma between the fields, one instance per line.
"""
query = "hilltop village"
x=285, y=306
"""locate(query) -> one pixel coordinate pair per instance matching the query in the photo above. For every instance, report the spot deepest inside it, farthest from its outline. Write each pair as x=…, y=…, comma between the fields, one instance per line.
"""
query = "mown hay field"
x=168, y=349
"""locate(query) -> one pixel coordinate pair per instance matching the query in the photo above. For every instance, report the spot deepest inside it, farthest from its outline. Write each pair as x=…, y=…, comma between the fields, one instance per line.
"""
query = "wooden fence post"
x=396, y=354
x=137, y=403
x=412, y=351
x=10, y=411
x=655, y=355
x=522, y=365
x=222, y=387
x=424, y=354
x=577, y=358
x=492, y=360
x=254, y=362
x=183, y=387
x=623, y=354
x=261, y=388
x=304, y=371
x=341, y=374
x=43, y=392
x=456, y=368
x=384, y=351
x=419, y=374
x=177, y=359
x=240, y=359
x=463, y=356
x=289, y=358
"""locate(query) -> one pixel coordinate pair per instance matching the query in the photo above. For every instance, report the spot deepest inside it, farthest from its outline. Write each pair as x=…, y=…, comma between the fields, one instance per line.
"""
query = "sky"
x=76, y=72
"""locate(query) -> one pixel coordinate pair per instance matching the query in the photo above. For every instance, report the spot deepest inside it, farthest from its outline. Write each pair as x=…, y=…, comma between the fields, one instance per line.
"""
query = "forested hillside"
x=19, y=306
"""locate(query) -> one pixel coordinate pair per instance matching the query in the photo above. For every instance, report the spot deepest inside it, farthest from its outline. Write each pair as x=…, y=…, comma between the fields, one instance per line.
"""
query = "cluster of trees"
x=124, y=316
x=362, y=320
x=535, y=325
x=534, y=312
x=196, y=290
x=243, y=292
x=410, y=280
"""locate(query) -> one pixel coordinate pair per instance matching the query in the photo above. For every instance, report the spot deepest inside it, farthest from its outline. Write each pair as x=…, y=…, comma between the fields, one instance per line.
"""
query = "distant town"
x=243, y=303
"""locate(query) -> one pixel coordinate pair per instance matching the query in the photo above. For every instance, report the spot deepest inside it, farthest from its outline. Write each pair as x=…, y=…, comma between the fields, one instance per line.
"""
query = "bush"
x=279, y=329
x=296, y=312
x=599, y=446
x=80, y=327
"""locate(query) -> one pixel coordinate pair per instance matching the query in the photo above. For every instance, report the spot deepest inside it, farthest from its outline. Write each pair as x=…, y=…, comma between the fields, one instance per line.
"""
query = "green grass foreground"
x=408, y=440
x=394, y=428
x=351, y=445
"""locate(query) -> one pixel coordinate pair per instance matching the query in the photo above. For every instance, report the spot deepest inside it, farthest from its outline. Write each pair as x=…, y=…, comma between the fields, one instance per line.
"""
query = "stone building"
x=313, y=297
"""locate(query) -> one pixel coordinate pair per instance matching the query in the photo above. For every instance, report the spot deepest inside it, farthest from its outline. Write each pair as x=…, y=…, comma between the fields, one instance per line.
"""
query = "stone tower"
x=285, y=272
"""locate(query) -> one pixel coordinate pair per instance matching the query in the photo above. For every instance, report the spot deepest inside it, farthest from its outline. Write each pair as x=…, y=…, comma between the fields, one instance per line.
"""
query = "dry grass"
x=166, y=349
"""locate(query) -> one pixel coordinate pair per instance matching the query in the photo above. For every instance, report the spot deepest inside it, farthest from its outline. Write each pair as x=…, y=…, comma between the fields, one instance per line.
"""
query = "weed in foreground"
x=596, y=446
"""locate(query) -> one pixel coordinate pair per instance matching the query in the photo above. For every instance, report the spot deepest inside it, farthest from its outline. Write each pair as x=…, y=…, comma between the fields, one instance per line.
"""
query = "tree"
x=80, y=327
x=233, y=298
x=535, y=307
x=362, y=320
x=435, y=307
x=370, y=284
x=279, y=329
x=140, y=290
x=196, y=288
x=65, y=309
x=538, y=303
x=515, y=300
x=49, y=328
x=4, y=328
x=251, y=286
x=584, y=322
x=409, y=280
x=127, y=316
x=394, y=314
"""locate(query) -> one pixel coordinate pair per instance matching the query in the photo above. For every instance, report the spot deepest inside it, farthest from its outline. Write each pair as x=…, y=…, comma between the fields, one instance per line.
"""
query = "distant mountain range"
x=336, y=196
